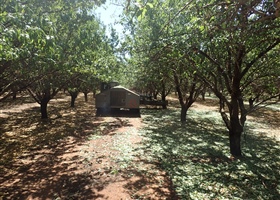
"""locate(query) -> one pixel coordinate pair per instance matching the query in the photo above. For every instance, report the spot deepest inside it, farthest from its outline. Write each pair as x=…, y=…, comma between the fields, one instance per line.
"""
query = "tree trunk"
x=44, y=104
x=251, y=103
x=184, y=114
x=203, y=92
x=73, y=98
x=14, y=92
x=203, y=96
x=74, y=95
x=164, y=106
x=236, y=128
x=184, y=108
x=86, y=96
x=234, y=125
x=163, y=96
x=155, y=94
x=14, y=95
x=72, y=105
x=235, y=141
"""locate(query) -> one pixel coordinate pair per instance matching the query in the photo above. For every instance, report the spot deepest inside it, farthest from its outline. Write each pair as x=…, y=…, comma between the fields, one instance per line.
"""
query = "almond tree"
x=159, y=47
x=236, y=38
x=43, y=40
x=228, y=44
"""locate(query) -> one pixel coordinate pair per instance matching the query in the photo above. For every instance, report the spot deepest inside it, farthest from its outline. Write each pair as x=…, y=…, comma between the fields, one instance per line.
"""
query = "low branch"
x=259, y=105
x=224, y=114
x=34, y=96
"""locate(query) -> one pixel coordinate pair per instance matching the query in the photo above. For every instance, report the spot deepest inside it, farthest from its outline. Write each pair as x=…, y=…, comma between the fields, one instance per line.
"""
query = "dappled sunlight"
x=77, y=154
x=42, y=158
x=264, y=122
x=197, y=158
x=46, y=173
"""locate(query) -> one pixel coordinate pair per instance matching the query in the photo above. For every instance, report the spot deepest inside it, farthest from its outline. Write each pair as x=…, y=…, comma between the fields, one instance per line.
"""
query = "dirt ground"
x=74, y=154
x=78, y=155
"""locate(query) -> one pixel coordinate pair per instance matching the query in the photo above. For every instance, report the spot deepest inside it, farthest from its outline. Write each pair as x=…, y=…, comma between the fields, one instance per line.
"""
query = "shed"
x=117, y=97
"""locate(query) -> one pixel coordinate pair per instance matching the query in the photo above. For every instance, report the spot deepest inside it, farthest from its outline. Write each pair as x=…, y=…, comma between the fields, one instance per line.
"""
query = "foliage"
x=39, y=38
x=235, y=61
x=229, y=45
x=45, y=43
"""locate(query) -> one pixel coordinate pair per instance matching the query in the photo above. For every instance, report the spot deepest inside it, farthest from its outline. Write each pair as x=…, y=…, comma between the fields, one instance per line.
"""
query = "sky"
x=109, y=15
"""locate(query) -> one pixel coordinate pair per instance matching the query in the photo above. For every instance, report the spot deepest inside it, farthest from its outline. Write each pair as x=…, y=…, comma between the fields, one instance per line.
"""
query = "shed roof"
x=118, y=88
x=121, y=87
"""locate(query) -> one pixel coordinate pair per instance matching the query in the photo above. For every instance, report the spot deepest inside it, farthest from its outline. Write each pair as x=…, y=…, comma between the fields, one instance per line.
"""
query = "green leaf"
x=150, y=5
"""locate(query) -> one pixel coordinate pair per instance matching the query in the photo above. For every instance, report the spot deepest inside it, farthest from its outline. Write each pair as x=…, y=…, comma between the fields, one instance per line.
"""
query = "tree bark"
x=184, y=114
x=237, y=120
x=43, y=108
x=235, y=142
x=251, y=103
x=163, y=95
x=203, y=96
x=86, y=96
x=234, y=122
x=14, y=95
x=188, y=101
x=164, y=106
x=203, y=92
x=155, y=94
x=73, y=98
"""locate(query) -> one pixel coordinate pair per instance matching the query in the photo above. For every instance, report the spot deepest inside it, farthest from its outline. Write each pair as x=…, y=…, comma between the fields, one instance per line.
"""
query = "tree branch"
x=258, y=105
x=260, y=55
x=183, y=8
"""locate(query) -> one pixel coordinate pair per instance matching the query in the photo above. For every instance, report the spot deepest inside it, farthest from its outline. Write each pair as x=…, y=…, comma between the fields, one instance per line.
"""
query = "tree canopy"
x=43, y=44
x=39, y=38
x=230, y=46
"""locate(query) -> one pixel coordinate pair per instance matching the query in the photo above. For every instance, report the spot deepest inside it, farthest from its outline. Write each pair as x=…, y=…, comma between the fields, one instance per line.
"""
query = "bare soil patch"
x=269, y=118
x=77, y=155
x=74, y=154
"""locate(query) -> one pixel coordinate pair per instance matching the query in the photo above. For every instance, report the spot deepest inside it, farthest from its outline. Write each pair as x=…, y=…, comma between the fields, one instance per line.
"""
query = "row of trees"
x=47, y=46
x=230, y=47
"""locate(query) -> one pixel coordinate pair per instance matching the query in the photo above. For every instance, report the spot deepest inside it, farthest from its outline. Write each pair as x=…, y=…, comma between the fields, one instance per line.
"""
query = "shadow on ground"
x=40, y=159
x=196, y=157
x=118, y=113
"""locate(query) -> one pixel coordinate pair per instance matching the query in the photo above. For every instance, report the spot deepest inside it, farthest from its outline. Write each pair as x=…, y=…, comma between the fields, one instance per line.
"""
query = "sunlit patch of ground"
x=76, y=154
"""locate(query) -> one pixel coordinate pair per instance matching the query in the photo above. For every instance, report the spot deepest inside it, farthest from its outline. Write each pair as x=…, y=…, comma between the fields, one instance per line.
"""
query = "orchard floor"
x=74, y=154
x=78, y=155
